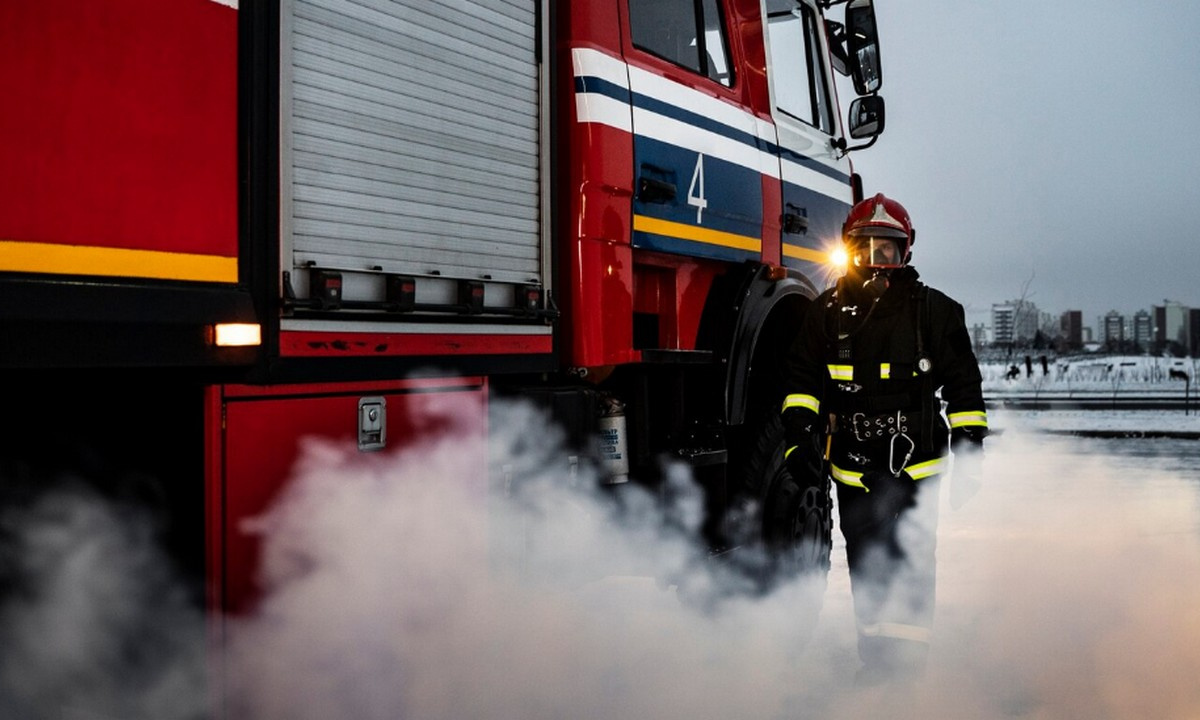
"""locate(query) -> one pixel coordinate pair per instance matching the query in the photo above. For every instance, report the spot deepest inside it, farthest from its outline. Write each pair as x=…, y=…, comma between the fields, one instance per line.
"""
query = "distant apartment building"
x=1143, y=330
x=979, y=335
x=1047, y=325
x=1028, y=321
x=1003, y=324
x=1014, y=322
x=1171, y=327
x=1194, y=332
x=1112, y=329
x=1070, y=328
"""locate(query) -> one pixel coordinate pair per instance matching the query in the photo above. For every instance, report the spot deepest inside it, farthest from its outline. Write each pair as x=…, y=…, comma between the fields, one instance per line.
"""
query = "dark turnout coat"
x=876, y=373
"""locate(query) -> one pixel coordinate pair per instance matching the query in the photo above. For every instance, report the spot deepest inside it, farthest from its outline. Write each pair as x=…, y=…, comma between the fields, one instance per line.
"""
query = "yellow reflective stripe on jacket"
x=921, y=470
x=969, y=418
x=798, y=400
x=847, y=477
x=841, y=372
x=916, y=471
x=789, y=451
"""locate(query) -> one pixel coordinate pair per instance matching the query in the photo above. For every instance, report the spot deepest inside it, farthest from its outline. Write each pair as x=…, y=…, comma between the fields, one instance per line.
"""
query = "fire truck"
x=224, y=228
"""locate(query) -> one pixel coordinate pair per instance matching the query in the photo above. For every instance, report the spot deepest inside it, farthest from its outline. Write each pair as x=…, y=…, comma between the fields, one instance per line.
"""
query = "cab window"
x=797, y=67
x=684, y=32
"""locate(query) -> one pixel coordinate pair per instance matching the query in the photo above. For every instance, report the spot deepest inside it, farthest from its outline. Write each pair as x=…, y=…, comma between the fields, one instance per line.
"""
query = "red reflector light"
x=401, y=293
x=470, y=295
x=327, y=288
x=529, y=297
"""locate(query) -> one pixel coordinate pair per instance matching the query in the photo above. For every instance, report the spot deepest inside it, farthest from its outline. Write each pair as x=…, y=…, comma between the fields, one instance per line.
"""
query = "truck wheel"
x=793, y=521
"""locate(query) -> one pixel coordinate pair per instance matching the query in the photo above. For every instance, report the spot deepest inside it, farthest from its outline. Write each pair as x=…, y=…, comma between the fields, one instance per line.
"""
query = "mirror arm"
x=839, y=144
x=826, y=4
x=837, y=47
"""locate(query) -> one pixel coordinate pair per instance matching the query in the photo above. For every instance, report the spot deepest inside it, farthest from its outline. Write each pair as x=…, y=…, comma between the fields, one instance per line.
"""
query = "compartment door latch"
x=372, y=423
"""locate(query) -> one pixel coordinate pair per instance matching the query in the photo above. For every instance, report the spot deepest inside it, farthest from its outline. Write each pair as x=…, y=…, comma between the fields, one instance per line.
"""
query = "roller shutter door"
x=410, y=137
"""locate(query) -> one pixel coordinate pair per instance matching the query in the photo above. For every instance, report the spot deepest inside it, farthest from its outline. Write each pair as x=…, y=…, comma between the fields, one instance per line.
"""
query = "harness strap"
x=923, y=326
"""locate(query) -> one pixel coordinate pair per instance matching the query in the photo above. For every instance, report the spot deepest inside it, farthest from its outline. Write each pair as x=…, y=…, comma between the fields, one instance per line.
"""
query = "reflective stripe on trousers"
x=896, y=631
x=970, y=418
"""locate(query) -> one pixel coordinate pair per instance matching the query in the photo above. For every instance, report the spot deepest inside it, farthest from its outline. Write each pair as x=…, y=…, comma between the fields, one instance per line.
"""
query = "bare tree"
x=1025, y=313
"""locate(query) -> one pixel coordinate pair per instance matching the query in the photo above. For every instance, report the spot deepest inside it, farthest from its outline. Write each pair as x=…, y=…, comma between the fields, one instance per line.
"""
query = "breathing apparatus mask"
x=877, y=284
x=878, y=235
x=873, y=258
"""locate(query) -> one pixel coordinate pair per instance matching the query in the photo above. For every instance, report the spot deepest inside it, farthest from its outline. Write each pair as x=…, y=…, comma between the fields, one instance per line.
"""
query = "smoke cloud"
x=397, y=590
x=93, y=621
x=1069, y=586
x=411, y=585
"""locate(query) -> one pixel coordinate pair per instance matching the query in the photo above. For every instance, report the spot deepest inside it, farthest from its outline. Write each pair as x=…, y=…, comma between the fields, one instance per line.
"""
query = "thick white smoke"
x=397, y=590
x=93, y=622
x=1066, y=590
x=1070, y=587
x=412, y=585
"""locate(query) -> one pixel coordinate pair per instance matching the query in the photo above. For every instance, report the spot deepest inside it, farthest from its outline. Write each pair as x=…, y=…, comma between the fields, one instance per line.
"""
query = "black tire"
x=789, y=519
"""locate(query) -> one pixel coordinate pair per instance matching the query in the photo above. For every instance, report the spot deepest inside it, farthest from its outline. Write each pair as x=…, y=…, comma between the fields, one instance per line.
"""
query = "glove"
x=967, y=477
x=803, y=459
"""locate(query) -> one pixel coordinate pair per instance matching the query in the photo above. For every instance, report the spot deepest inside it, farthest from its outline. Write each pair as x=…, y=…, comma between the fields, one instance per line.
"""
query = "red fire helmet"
x=875, y=226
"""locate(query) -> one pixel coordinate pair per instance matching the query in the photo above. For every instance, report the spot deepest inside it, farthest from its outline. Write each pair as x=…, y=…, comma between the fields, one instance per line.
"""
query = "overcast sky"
x=1045, y=148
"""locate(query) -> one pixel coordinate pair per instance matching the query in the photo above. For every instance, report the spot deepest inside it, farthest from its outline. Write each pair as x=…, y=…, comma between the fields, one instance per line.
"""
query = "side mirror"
x=866, y=117
x=862, y=43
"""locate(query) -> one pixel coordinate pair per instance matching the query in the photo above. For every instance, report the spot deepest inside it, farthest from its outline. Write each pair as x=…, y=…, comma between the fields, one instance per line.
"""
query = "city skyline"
x=1064, y=168
x=1170, y=327
x=1087, y=317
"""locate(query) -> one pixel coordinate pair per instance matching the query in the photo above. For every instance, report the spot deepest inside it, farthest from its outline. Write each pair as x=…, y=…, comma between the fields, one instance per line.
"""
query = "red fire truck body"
x=609, y=207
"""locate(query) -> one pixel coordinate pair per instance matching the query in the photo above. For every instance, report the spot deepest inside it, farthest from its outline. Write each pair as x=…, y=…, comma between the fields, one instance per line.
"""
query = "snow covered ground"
x=1120, y=374
x=1116, y=391
x=1131, y=422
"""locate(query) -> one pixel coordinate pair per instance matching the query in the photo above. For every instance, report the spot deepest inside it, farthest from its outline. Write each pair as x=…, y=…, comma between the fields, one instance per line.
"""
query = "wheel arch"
x=755, y=317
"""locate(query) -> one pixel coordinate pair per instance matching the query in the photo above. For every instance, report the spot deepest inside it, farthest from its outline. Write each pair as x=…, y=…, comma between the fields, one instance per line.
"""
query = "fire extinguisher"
x=614, y=446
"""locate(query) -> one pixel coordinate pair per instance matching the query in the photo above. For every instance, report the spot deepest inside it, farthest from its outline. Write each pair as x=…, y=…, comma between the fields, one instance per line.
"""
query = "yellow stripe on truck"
x=666, y=228
x=55, y=259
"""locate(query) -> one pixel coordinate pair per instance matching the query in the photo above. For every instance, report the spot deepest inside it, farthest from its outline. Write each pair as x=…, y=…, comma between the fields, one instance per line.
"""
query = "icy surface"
x=1120, y=375
x=1119, y=379
x=1131, y=421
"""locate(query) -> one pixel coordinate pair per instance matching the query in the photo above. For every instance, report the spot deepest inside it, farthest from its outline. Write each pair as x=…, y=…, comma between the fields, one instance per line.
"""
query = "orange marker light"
x=237, y=335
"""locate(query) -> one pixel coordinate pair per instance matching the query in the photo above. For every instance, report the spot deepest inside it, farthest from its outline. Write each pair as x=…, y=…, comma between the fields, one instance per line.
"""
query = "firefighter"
x=877, y=357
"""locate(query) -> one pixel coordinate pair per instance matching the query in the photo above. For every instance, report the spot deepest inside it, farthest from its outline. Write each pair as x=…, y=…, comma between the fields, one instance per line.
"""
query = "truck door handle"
x=655, y=191
x=795, y=221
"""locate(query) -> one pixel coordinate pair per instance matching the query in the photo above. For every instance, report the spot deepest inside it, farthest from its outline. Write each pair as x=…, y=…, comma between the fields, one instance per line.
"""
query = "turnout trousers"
x=890, y=528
